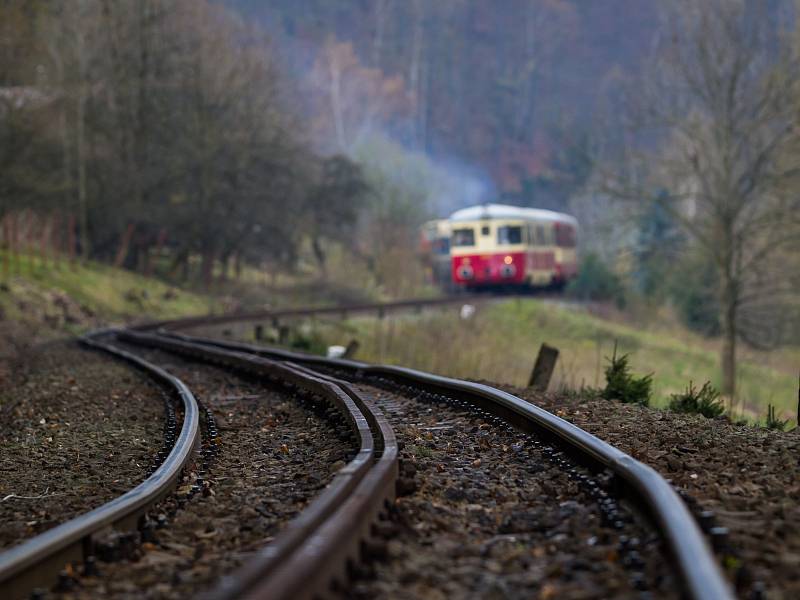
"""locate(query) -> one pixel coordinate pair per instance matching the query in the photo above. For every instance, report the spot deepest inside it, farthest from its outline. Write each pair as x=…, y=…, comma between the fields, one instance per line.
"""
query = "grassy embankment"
x=72, y=297
x=500, y=344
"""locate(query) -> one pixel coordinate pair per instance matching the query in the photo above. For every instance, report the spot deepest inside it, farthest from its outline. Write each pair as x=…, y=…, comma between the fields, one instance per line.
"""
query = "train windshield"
x=509, y=234
x=463, y=237
x=441, y=246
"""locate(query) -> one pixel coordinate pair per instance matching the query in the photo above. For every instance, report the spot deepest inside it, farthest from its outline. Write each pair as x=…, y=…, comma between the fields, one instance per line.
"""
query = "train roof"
x=506, y=211
x=439, y=226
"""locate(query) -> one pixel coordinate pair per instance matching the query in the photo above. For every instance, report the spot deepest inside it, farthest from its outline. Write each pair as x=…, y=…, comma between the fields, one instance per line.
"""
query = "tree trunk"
x=160, y=241
x=6, y=245
x=728, y=323
x=71, y=240
x=223, y=274
x=124, y=245
x=319, y=254
x=207, y=268
x=83, y=209
x=14, y=237
x=57, y=240
x=237, y=265
x=44, y=240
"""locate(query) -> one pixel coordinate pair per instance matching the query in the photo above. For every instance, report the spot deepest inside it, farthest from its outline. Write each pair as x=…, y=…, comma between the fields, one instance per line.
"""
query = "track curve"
x=699, y=572
x=37, y=560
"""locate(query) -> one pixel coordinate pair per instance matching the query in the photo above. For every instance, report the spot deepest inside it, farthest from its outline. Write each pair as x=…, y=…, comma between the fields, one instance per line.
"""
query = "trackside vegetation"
x=499, y=343
x=622, y=385
x=704, y=401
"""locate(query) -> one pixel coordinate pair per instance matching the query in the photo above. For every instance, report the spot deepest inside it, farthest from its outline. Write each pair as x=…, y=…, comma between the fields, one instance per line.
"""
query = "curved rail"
x=27, y=565
x=700, y=573
x=297, y=563
x=380, y=308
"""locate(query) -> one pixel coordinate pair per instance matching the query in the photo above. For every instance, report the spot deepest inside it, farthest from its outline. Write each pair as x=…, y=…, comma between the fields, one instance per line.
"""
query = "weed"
x=622, y=386
x=580, y=393
x=773, y=422
x=423, y=451
x=308, y=342
x=704, y=401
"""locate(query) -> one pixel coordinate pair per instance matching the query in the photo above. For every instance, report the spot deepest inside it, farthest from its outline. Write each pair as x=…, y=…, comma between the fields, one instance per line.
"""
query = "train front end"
x=488, y=253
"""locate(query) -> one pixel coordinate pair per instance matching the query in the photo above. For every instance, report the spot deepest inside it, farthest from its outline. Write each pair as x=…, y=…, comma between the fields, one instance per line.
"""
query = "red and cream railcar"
x=501, y=245
x=435, y=251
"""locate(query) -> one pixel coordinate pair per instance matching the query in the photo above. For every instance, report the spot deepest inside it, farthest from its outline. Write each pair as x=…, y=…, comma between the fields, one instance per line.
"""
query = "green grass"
x=501, y=341
x=31, y=290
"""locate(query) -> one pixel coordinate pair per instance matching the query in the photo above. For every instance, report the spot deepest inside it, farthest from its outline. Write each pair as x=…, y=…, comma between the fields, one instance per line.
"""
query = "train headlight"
x=508, y=271
x=508, y=260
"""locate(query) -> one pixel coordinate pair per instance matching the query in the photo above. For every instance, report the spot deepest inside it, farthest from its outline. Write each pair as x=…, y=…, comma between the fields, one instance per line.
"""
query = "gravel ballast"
x=273, y=456
x=485, y=512
x=745, y=474
x=77, y=429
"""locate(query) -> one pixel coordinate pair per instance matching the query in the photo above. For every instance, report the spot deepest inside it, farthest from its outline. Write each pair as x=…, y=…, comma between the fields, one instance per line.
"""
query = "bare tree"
x=721, y=97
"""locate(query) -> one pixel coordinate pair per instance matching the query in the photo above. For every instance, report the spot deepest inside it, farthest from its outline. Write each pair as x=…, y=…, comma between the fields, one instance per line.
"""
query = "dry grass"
x=500, y=343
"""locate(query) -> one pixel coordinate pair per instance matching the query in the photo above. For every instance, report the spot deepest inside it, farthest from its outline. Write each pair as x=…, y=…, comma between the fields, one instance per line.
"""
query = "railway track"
x=37, y=561
x=314, y=550
x=320, y=549
x=641, y=488
x=297, y=563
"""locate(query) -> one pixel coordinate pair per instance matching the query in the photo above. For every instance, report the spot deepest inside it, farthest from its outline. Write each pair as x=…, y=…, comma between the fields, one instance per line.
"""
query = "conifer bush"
x=704, y=401
x=623, y=386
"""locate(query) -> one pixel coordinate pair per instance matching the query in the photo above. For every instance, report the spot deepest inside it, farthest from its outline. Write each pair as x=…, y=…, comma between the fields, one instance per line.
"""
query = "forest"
x=194, y=139
x=132, y=131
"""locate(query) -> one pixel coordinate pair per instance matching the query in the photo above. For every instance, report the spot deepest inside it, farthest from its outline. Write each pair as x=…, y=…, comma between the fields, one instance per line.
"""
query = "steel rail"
x=315, y=547
x=379, y=307
x=700, y=574
x=37, y=560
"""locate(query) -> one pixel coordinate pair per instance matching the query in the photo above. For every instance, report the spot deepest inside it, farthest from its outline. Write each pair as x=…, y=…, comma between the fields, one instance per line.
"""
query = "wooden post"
x=7, y=246
x=544, y=367
x=351, y=349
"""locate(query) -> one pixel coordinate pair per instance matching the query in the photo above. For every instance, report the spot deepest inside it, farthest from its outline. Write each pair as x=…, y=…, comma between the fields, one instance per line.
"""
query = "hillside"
x=38, y=303
x=499, y=343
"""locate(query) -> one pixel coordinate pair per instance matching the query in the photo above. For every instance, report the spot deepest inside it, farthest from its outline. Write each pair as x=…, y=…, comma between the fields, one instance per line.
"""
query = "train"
x=502, y=246
x=435, y=252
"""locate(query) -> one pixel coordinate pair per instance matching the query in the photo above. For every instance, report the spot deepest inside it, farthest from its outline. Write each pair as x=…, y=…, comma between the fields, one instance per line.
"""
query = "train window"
x=565, y=236
x=541, y=239
x=463, y=237
x=509, y=234
x=441, y=246
x=485, y=230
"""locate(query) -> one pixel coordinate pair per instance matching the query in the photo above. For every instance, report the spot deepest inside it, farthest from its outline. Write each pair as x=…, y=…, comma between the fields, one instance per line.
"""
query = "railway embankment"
x=745, y=475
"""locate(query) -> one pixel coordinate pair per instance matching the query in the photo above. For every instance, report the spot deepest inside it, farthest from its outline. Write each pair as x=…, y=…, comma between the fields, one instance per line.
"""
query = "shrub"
x=704, y=401
x=622, y=386
x=773, y=422
x=693, y=292
x=596, y=281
